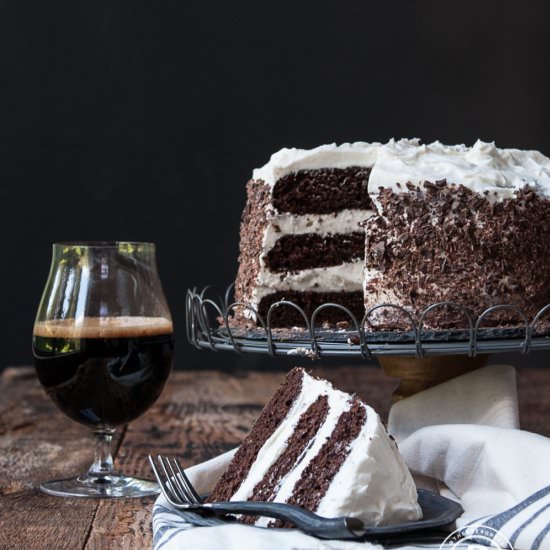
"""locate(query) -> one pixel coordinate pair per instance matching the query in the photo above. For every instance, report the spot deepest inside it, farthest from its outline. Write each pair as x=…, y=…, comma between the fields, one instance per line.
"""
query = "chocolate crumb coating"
x=437, y=241
x=253, y=224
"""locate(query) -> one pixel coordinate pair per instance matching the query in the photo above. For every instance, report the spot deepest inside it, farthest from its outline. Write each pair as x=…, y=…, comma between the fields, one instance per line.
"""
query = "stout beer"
x=103, y=371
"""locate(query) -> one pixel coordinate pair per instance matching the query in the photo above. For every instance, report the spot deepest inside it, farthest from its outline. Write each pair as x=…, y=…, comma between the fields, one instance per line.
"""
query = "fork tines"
x=173, y=481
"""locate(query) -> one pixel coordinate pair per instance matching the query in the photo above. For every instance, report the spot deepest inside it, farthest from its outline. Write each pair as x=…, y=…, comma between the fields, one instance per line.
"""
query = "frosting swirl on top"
x=483, y=168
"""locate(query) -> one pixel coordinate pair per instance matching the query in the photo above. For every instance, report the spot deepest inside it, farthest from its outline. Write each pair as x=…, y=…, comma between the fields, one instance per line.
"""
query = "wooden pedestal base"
x=416, y=374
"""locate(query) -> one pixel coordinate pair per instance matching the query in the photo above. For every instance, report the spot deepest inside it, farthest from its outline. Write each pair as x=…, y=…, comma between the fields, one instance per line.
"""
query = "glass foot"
x=111, y=486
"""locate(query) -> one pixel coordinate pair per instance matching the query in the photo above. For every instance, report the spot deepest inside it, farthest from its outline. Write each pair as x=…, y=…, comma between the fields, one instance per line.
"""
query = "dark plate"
x=437, y=512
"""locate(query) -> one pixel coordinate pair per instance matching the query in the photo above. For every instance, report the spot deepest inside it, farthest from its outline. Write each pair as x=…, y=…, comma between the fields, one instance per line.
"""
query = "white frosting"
x=286, y=160
x=482, y=168
x=335, y=278
x=373, y=483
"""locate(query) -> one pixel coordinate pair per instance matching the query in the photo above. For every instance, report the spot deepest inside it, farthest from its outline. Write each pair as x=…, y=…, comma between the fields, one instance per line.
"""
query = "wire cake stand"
x=419, y=356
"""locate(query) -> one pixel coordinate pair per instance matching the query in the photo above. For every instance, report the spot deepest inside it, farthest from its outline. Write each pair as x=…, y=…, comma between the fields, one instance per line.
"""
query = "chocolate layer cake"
x=443, y=223
x=324, y=450
x=469, y=225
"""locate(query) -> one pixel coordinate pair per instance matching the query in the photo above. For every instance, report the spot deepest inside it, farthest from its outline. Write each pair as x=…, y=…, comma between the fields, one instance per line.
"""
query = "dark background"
x=143, y=121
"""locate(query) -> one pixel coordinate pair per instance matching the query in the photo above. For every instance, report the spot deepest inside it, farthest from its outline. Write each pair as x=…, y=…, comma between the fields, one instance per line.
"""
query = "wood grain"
x=200, y=414
x=38, y=443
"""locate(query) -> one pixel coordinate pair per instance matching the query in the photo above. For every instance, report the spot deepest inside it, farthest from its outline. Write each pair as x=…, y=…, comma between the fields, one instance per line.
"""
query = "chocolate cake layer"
x=320, y=472
x=322, y=191
x=310, y=250
x=306, y=429
x=446, y=242
x=253, y=223
x=268, y=421
x=287, y=316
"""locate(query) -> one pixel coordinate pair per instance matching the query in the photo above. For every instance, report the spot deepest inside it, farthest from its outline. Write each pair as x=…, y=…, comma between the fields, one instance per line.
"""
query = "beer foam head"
x=103, y=327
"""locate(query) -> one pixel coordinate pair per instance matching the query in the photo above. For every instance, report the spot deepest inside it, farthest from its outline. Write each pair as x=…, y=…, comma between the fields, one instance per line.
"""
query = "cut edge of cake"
x=288, y=210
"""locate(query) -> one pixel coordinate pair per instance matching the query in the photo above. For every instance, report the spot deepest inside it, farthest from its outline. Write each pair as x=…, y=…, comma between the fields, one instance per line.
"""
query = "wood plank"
x=31, y=520
x=37, y=441
x=122, y=524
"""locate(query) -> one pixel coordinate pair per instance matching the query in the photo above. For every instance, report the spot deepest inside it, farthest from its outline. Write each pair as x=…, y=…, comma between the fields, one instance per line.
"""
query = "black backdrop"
x=143, y=120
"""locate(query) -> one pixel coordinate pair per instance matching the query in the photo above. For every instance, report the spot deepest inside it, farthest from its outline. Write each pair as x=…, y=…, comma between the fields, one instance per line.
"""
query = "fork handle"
x=306, y=521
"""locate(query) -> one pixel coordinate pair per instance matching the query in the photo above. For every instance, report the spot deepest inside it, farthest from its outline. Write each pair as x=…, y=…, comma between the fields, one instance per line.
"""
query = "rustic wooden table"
x=200, y=414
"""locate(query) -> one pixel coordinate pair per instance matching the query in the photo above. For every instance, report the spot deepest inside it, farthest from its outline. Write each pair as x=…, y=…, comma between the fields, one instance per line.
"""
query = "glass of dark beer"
x=102, y=347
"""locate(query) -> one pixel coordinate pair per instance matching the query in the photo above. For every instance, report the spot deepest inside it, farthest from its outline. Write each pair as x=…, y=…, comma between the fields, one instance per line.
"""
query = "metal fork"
x=181, y=494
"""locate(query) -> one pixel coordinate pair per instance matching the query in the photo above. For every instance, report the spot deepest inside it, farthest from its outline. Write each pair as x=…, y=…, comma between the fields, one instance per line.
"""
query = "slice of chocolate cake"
x=469, y=225
x=324, y=450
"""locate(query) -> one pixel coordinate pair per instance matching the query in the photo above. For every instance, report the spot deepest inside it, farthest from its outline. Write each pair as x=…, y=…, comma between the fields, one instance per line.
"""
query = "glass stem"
x=103, y=460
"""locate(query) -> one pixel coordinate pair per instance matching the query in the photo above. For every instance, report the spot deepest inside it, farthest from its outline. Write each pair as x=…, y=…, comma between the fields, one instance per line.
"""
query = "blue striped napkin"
x=523, y=526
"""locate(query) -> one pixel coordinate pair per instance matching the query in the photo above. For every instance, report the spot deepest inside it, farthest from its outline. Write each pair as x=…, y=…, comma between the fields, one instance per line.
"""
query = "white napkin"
x=460, y=438
x=463, y=436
